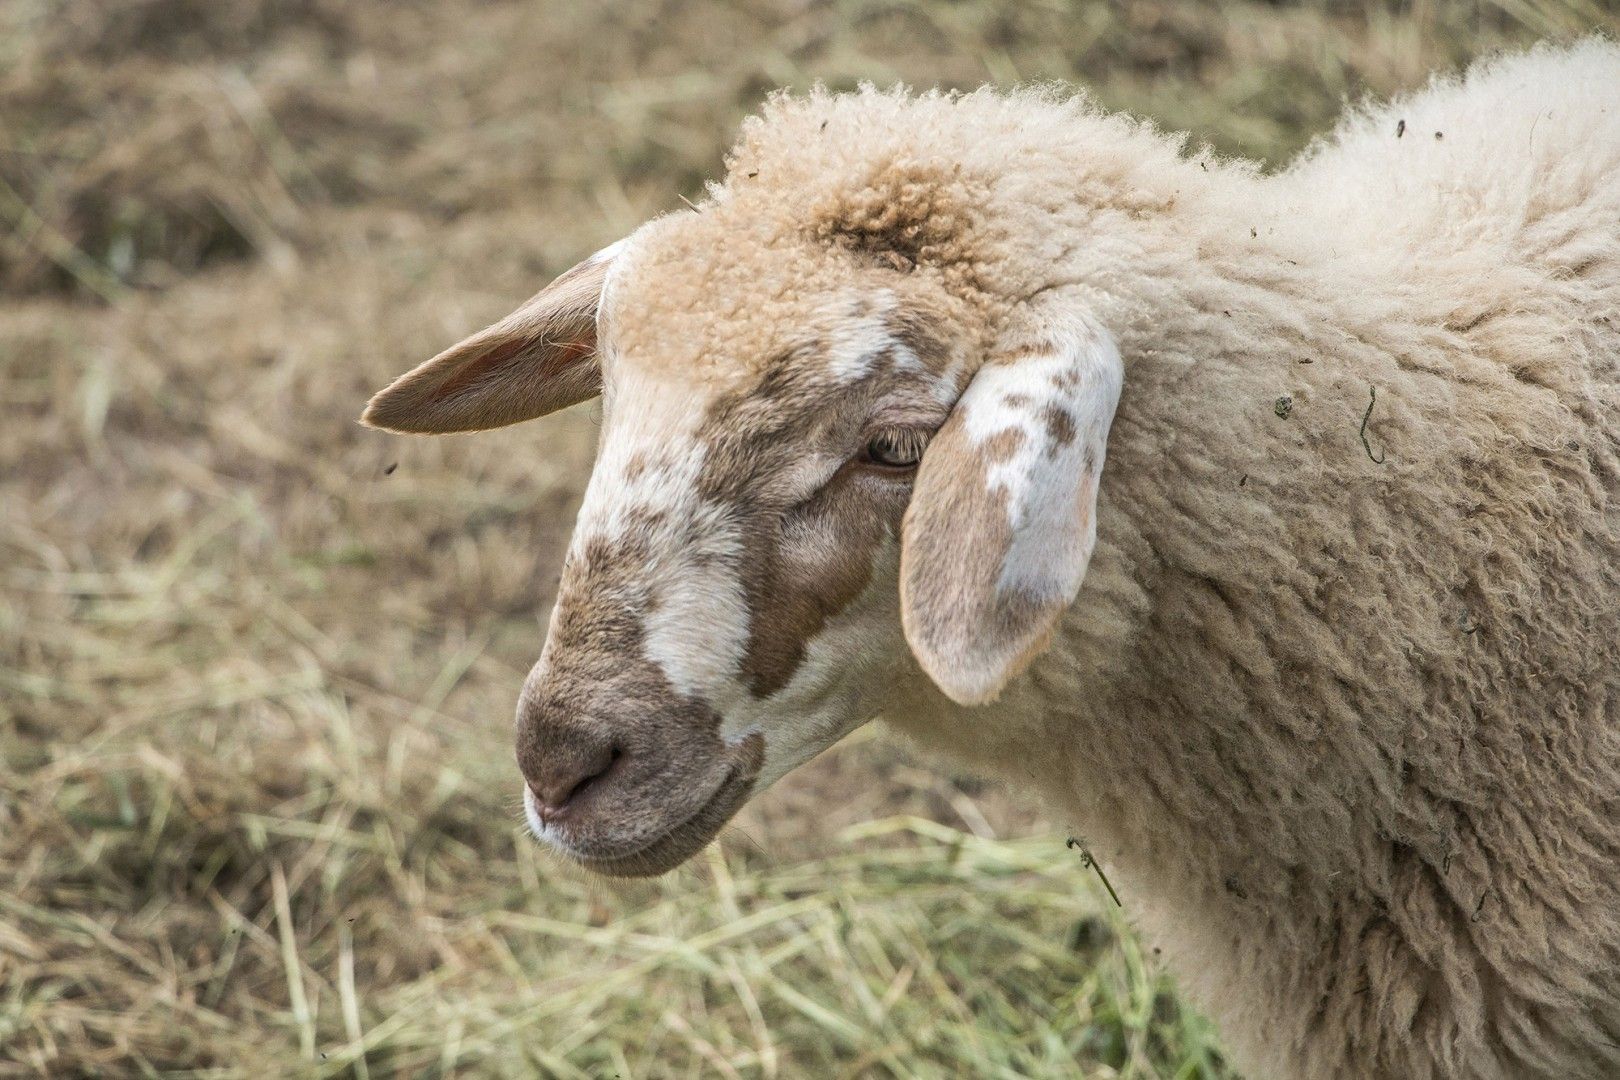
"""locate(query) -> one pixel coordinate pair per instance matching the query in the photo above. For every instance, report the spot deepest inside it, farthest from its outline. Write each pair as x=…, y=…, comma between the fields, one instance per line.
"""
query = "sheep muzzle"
x=624, y=775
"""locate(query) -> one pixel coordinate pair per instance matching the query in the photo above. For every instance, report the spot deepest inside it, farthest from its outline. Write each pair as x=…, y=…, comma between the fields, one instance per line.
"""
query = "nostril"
x=614, y=753
x=565, y=777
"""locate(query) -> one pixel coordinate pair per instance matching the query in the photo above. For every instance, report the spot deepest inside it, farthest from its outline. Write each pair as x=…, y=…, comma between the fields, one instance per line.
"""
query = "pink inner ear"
x=553, y=360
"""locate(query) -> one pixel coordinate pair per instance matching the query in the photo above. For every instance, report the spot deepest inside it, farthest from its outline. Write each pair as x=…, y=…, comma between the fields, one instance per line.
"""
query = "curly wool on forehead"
x=829, y=196
x=719, y=296
x=714, y=299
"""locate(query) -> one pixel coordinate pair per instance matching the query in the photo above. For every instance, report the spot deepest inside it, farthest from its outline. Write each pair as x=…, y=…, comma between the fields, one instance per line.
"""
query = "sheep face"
x=729, y=606
x=746, y=583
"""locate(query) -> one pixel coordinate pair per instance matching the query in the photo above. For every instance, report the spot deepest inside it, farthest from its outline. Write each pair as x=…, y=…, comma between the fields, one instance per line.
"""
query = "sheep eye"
x=898, y=448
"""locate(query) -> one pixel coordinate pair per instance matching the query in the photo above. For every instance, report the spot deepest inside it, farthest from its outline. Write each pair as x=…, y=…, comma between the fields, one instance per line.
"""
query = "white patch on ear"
x=1003, y=517
x=1040, y=477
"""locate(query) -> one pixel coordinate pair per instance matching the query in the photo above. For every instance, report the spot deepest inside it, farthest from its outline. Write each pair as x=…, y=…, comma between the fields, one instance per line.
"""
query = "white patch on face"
x=854, y=344
x=1074, y=386
x=645, y=480
x=697, y=631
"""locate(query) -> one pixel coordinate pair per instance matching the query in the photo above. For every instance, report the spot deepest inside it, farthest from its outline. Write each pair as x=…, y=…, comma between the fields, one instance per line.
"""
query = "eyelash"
x=895, y=449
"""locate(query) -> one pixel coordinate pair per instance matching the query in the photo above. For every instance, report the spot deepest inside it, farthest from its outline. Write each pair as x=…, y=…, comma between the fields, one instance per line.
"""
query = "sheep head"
x=826, y=461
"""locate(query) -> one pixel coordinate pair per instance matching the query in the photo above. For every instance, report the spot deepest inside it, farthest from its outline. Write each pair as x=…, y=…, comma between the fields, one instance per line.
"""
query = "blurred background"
x=258, y=665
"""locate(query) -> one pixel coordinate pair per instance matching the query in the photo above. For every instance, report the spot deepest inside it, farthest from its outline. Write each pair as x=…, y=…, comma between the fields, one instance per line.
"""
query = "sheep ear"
x=538, y=359
x=1003, y=515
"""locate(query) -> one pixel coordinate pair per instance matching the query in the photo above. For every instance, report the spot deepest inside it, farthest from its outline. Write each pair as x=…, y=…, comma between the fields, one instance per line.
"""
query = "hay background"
x=256, y=799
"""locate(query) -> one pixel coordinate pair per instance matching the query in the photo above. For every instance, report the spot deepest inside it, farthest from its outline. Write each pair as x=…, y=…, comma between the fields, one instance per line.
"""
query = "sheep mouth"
x=676, y=844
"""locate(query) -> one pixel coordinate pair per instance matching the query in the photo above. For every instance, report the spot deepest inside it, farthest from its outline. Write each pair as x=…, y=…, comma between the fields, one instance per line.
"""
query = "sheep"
x=1325, y=665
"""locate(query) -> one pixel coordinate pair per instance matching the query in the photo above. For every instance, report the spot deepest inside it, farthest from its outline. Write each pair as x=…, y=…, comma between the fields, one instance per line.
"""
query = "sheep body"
x=1339, y=703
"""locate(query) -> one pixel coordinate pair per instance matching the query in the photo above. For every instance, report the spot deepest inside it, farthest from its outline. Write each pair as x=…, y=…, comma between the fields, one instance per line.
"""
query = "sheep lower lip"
x=682, y=841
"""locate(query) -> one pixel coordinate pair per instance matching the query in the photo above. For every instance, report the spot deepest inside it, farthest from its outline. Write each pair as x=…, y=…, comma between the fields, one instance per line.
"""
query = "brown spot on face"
x=804, y=559
x=798, y=577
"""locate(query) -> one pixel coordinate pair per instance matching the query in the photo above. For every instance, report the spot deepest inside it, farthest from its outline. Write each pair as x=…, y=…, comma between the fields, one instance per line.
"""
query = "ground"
x=258, y=665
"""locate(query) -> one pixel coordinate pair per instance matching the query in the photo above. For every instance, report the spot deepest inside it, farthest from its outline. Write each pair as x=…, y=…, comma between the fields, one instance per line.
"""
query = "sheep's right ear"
x=538, y=359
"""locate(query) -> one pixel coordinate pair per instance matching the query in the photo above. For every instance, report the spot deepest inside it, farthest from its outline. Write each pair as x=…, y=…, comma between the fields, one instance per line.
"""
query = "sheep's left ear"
x=1003, y=515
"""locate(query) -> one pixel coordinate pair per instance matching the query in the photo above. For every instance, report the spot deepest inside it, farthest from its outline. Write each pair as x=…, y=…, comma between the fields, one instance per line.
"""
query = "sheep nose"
x=564, y=773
